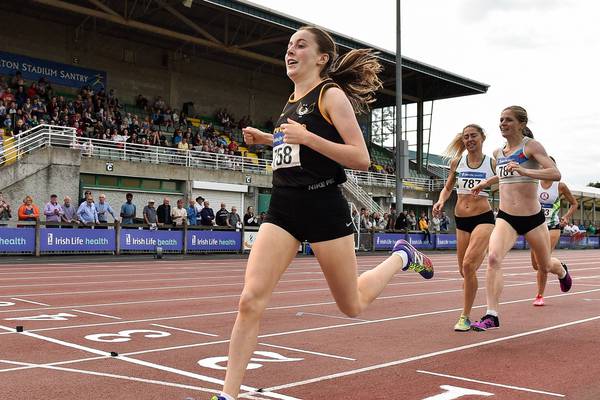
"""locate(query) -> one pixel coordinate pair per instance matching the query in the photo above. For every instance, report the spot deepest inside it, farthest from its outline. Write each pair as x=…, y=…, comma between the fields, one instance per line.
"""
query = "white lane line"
x=189, y=278
x=429, y=355
x=286, y=307
x=97, y=314
x=592, y=299
x=301, y=313
x=203, y=378
x=103, y=374
x=327, y=327
x=240, y=283
x=308, y=352
x=185, y=330
x=238, y=295
x=492, y=384
x=31, y=301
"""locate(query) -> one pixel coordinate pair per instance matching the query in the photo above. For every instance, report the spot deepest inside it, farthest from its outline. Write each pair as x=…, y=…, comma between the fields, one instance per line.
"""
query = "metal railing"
x=58, y=136
x=360, y=194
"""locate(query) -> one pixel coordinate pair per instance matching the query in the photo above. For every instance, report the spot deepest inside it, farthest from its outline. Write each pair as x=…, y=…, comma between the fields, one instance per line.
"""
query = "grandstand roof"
x=241, y=33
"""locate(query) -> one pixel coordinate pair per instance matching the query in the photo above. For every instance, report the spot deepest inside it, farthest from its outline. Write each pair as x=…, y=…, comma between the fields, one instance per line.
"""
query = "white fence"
x=49, y=135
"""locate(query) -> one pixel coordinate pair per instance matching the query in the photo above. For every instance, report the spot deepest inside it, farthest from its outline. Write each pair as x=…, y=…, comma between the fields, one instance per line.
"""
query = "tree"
x=594, y=184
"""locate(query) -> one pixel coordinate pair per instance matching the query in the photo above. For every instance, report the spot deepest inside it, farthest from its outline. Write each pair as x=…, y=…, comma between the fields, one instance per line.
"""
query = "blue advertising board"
x=77, y=240
x=418, y=241
x=385, y=241
x=17, y=240
x=445, y=241
x=200, y=240
x=149, y=240
x=57, y=73
x=593, y=242
x=519, y=243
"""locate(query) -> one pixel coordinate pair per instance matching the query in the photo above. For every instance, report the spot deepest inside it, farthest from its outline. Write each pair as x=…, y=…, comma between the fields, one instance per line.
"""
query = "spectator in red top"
x=33, y=90
x=29, y=211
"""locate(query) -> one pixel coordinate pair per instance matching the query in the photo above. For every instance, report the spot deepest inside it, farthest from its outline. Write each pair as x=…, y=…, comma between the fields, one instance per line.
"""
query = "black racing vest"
x=297, y=165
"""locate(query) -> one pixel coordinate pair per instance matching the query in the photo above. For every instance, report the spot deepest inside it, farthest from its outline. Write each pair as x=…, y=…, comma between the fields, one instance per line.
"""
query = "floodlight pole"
x=401, y=144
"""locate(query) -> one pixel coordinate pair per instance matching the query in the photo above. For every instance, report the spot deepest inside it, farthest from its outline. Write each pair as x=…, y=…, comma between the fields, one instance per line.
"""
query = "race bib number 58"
x=284, y=155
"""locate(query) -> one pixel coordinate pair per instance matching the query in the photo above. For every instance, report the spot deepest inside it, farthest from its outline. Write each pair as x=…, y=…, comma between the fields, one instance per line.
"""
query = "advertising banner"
x=198, y=240
x=17, y=240
x=519, y=243
x=77, y=240
x=149, y=240
x=445, y=241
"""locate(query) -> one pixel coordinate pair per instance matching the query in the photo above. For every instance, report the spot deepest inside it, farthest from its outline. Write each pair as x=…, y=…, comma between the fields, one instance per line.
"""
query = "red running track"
x=169, y=322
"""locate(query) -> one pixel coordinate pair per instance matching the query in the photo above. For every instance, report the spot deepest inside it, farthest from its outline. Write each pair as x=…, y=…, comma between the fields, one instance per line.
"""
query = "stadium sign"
x=56, y=73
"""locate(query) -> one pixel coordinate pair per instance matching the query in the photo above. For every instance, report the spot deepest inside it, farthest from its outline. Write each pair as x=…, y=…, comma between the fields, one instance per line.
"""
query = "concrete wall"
x=135, y=68
x=46, y=171
x=173, y=172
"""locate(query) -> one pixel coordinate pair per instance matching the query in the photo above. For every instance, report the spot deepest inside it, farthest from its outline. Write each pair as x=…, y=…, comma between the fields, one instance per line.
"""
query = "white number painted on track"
x=44, y=317
x=6, y=304
x=455, y=392
x=213, y=362
x=125, y=336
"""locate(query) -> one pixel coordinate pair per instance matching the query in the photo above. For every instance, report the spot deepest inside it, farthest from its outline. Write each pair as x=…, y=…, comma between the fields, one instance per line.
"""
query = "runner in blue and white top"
x=549, y=195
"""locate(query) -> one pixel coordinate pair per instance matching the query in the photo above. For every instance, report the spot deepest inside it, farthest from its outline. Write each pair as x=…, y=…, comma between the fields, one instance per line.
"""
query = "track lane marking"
x=491, y=383
x=185, y=330
x=125, y=358
x=429, y=355
x=97, y=314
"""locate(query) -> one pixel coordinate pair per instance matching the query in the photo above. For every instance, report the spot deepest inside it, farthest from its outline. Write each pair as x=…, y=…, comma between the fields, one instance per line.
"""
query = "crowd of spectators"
x=98, y=213
x=404, y=221
x=98, y=114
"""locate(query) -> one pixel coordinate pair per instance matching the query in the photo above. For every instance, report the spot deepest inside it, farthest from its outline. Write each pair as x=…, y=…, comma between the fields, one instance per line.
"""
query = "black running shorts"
x=311, y=215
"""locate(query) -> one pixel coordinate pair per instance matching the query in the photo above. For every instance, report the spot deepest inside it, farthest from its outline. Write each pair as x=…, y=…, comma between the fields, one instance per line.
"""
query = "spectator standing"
x=103, y=208
x=411, y=220
x=391, y=221
x=444, y=222
x=53, y=211
x=379, y=223
x=591, y=229
x=28, y=211
x=233, y=219
x=222, y=216
x=249, y=218
x=199, y=204
x=401, y=223
x=424, y=227
x=207, y=215
x=69, y=215
x=84, y=198
x=192, y=215
x=5, y=213
x=163, y=213
x=150, y=214
x=179, y=213
x=128, y=210
x=87, y=212
x=435, y=222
